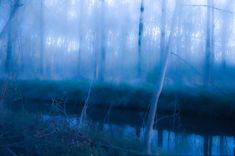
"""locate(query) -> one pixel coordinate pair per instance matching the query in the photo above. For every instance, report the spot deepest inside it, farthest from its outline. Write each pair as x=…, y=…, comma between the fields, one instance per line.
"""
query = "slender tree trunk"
x=15, y=7
x=140, y=37
x=163, y=32
x=123, y=49
x=9, y=29
x=153, y=107
x=223, y=47
x=42, y=49
x=96, y=65
x=224, y=34
x=180, y=29
x=209, y=43
x=212, y=42
x=102, y=55
x=9, y=49
x=80, y=37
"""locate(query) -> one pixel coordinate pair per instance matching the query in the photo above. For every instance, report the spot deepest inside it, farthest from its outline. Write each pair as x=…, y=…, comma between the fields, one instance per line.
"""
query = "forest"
x=117, y=77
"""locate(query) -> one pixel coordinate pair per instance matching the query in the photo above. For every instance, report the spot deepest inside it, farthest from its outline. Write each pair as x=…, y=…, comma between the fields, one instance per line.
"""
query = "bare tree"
x=163, y=31
x=16, y=5
x=42, y=49
x=100, y=48
x=80, y=36
x=209, y=57
x=103, y=45
x=8, y=28
x=140, y=36
x=224, y=33
x=154, y=105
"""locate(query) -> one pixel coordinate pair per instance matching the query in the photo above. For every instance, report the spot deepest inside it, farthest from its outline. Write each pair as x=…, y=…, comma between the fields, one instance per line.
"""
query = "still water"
x=172, y=135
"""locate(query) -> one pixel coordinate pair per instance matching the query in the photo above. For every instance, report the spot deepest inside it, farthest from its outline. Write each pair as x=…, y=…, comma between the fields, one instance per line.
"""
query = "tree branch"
x=212, y=7
x=13, y=12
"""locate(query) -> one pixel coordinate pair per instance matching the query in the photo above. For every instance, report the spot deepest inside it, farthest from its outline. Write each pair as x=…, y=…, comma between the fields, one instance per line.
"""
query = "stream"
x=174, y=135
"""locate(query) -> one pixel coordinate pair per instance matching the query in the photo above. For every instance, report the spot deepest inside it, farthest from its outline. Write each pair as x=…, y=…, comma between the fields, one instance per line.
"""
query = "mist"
x=76, y=39
x=156, y=58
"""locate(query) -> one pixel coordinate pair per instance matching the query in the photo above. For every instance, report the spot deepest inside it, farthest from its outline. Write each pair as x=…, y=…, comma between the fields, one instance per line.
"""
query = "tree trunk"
x=9, y=29
x=9, y=49
x=14, y=9
x=224, y=34
x=102, y=54
x=140, y=36
x=42, y=50
x=163, y=32
x=153, y=107
x=80, y=37
x=209, y=43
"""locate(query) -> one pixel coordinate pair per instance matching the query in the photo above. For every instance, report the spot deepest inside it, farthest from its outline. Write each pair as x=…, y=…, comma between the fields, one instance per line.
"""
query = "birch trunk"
x=158, y=90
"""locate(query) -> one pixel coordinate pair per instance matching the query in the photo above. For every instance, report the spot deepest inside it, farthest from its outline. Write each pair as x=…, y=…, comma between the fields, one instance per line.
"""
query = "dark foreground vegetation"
x=22, y=133
x=33, y=123
x=196, y=102
x=24, y=129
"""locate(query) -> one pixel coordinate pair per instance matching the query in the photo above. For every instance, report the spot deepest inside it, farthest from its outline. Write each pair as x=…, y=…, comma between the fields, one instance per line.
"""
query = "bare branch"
x=11, y=152
x=215, y=8
x=13, y=12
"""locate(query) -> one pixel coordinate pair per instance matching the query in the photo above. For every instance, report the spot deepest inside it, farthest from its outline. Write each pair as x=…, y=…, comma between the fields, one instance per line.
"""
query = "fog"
x=163, y=68
x=74, y=39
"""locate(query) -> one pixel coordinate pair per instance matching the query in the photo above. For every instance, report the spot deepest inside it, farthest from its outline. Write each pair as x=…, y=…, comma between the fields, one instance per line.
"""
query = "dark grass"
x=189, y=101
x=28, y=134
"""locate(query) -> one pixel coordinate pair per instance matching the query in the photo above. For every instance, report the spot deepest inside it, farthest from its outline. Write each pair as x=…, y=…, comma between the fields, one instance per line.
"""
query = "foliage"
x=28, y=134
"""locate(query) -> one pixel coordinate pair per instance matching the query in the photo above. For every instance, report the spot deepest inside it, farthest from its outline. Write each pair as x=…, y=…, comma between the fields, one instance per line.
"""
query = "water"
x=172, y=135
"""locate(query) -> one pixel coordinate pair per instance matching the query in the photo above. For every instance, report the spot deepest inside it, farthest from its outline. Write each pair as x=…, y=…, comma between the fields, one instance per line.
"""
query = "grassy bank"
x=189, y=101
x=23, y=133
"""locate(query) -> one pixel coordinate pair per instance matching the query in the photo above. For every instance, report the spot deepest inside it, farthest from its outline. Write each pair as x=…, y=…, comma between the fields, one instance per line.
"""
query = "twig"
x=11, y=17
x=107, y=116
x=11, y=152
x=186, y=62
x=84, y=110
x=45, y=134
x=57, y=102
x=219, y=90
x=166, y=117
x=212, y=7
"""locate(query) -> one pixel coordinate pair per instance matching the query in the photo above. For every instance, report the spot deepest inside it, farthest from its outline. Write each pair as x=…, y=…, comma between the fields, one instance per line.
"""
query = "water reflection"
x=180, y=143
x=175, y=142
